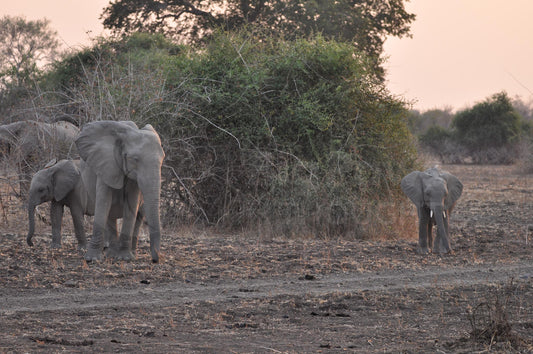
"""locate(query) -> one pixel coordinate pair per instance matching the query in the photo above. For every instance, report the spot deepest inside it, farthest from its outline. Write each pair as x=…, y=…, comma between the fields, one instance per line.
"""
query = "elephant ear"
x=100, y=146
x=412, y=187
x=455, y=189
x=64, y=179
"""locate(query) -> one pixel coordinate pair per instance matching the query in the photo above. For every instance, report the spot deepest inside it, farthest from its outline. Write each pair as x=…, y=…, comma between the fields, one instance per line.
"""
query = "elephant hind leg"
x=111, y=234
x=77, y=219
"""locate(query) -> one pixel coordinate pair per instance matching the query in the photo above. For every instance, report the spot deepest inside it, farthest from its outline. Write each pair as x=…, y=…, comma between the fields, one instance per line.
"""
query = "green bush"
x=491, y=131
x=298, y=137
x=435, y=137
x=493, y=123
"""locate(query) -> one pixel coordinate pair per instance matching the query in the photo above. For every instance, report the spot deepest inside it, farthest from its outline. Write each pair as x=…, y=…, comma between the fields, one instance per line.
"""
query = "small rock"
x=71, y=283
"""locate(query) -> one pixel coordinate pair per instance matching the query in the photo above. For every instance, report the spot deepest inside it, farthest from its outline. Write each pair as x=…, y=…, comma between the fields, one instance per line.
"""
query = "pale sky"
x=462, y=51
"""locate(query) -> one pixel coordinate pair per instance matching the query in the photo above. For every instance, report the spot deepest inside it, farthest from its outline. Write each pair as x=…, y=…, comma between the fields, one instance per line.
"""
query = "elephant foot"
x=442, y=250
x=155, y=257
x=422, y=250
x=82, y=246
x=55, y=245
x=123, y=255
x=93, y=254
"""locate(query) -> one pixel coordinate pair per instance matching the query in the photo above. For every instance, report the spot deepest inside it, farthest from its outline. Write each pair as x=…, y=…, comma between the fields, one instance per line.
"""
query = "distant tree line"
x=496, y=130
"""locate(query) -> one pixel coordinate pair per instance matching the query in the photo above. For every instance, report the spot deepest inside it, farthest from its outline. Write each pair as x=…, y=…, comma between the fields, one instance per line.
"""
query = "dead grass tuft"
x=490, y=322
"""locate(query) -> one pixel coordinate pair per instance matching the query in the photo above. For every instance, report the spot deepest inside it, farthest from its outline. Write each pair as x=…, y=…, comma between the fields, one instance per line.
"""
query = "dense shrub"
x=435, y=137
x=289, y=137
x=292, y=134
x=492, y=123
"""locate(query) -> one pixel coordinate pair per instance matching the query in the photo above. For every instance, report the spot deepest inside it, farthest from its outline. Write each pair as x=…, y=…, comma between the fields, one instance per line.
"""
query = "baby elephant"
x=434, y=192
x=61, y=184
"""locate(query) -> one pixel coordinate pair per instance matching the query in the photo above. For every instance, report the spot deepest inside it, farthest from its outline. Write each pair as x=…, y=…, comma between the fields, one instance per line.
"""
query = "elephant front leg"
x=442, y=241
x=101, y=213
x=424, y=231
x=136, y=229
x=77, y=220
x=56, y=217
x=447, y=224
x=430, y=233
x=129, y=217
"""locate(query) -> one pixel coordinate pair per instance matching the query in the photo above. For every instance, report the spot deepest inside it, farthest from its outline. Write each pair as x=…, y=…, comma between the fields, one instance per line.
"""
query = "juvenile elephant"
x=434, y=192
x=62, y=185
x=30, y=144
x=127, y=160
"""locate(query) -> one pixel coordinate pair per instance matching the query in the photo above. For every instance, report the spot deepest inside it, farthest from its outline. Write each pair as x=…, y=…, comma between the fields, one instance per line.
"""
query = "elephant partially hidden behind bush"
x=28, y=145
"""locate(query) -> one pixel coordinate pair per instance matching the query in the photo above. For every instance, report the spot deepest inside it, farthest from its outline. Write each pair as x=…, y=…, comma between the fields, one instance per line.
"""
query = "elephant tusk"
x=444, y=214
x=430, y=214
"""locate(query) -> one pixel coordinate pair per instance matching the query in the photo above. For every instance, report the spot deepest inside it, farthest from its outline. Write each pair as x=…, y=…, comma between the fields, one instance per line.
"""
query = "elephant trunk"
x=442, y=242
x=151, y=190
x=31, y=221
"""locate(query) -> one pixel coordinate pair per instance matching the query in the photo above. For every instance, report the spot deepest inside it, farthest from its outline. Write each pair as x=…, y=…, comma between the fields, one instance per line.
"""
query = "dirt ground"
x=250, y=295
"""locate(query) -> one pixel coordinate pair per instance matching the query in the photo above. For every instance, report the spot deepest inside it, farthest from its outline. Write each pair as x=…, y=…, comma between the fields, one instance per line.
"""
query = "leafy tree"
x=365, y=23
x=492, y=123
x=435, y=137
x=525, y=108
x=24, y=45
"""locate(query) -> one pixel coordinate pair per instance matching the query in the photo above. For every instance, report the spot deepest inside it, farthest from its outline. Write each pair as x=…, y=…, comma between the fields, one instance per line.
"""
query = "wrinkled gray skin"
x=126, y=159
x=434, y=192
x=62, y=185
x=30, y=144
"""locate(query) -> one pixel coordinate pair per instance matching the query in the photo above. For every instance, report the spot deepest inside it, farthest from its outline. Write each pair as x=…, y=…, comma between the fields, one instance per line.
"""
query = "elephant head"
x=434, y=193
x=120, y=151
x=53, y=183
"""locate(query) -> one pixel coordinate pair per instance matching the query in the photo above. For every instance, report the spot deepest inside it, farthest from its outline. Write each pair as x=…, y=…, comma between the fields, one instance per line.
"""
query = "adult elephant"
x=61, y=184
x=128, y=159
x=29, y=144
x=434, y=192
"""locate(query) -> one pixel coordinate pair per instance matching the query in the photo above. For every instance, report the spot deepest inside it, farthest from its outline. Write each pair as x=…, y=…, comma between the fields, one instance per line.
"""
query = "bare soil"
x=223, y=293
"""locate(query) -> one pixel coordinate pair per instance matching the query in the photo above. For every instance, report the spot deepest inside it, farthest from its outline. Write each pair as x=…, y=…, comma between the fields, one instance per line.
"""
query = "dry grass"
x=487, y=233
x=491, y=320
